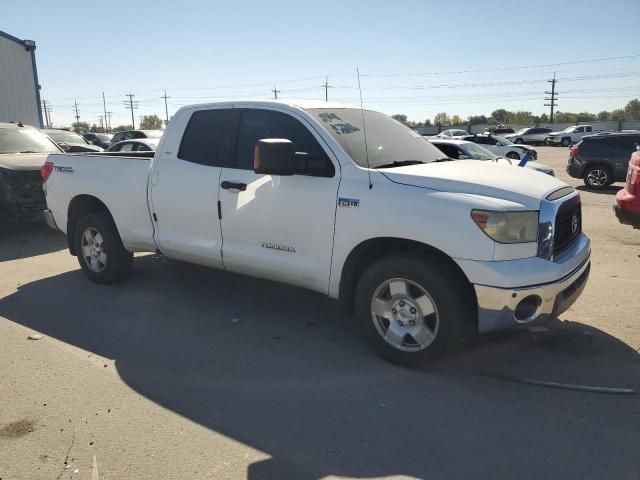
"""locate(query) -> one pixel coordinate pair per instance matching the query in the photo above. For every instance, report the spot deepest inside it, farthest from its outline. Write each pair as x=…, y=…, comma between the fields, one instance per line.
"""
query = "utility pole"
x=100, y=117
x=275, y=92
x=131, y=105
x=552, y=101
x=166, y=109
x=75, y=107
x=104, y=104
x=108, y=121
x=46, y=106
x=326, y=89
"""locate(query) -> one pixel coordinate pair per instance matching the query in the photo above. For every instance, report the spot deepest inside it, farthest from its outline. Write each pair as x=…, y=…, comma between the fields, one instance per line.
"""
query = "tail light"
x=574, y=151
x=45, y=171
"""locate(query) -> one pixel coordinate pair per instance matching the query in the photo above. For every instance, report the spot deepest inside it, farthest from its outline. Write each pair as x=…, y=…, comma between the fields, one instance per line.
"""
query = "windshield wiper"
x=443, y=159
x=28, y=151
x=400, y=163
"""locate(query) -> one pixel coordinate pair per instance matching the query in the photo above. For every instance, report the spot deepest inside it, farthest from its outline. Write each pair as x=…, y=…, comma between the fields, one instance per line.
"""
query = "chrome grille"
x=568, y=225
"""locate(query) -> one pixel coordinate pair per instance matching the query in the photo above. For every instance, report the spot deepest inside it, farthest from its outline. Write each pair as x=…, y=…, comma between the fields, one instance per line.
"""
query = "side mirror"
x=464, y=157
x=274, y=156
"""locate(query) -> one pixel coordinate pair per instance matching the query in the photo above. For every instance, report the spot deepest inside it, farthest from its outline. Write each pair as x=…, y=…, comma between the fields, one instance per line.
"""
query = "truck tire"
x=597, y=177
x=566, y=141
x=99, y=249
x=413, y=308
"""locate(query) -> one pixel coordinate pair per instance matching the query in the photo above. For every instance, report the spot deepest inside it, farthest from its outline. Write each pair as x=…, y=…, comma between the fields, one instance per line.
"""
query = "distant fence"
x=612, y=126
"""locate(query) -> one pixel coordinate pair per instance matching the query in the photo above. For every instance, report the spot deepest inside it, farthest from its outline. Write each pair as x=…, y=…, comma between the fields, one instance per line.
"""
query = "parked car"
x=535, y=135
x=627, y=204
x=499, y=130
x=102, y=140
x=416, y=246
x=70, y=142
x=133, y=134
x=501, y=146
x=602, y=159
x=569, y=135
x=140, y=145
x=465, y=150
x=23, y=150
x=452, y=132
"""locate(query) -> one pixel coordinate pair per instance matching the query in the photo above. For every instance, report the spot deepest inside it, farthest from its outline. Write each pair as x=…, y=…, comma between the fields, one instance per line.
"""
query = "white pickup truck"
x=570, y=135
x=426, y=251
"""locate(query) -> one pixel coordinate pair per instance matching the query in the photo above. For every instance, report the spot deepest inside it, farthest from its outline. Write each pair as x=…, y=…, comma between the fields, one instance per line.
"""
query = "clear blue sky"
x=201, y=50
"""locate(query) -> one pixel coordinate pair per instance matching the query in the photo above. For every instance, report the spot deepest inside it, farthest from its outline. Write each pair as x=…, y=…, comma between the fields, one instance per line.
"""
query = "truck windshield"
x=25, y=140
x=389, y=142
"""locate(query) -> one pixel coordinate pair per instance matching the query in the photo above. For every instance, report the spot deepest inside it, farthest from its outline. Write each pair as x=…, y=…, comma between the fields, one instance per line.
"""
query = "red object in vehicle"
x=627, y=206
x=45, y=171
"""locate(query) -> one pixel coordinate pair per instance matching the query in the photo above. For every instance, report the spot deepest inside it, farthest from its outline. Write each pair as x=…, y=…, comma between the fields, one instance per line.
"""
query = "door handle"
x=234, y=186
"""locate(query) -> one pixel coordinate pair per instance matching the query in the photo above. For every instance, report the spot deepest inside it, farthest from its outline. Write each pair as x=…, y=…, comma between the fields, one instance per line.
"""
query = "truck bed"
x=118, y=181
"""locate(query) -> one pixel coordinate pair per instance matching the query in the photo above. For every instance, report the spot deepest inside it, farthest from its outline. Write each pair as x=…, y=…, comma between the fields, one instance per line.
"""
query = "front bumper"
x=502, y=308
x=554, y=141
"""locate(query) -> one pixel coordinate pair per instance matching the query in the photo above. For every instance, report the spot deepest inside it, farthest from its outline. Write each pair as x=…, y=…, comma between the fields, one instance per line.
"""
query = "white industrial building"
x=19, y=88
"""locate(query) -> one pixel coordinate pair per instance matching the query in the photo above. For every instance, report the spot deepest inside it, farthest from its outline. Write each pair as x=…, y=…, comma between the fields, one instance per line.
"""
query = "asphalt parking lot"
x=182, y=372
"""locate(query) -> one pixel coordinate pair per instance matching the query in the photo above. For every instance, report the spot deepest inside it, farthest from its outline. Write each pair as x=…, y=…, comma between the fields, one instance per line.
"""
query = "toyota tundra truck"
x=570, y=135
x=424, y=251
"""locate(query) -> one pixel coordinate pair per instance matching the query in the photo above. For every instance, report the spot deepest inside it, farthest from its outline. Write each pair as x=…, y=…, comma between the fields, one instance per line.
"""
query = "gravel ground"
x=183, y=372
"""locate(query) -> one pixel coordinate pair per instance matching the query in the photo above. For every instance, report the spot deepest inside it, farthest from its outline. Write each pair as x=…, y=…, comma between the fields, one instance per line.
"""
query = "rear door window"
x=205, y=137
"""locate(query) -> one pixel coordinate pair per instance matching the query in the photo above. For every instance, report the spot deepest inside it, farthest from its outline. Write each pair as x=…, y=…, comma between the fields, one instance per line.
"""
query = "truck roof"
x=304, y=104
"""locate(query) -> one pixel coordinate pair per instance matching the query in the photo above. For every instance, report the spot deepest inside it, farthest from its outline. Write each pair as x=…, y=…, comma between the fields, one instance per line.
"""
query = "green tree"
x=603, y=116
x=427, y=123
x=500, y=116
x=520, y=117
x=632, y=110
x=585, y=117
x=441, y=119
x=477, y=119
x=80, y=126
x=152, y=122
x=618, y=114
x=457, y=120
x=400, y=118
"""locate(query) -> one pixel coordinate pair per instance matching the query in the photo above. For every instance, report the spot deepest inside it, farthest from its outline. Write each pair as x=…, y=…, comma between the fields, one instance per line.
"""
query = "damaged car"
x=23, y=150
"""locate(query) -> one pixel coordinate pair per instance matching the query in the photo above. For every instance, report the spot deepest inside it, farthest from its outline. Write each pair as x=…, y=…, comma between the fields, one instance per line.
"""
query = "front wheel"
x=99, y=249
x=566, y=142
x=519, y=141
x=513, y=156
x=597, y=177
x=413, y=308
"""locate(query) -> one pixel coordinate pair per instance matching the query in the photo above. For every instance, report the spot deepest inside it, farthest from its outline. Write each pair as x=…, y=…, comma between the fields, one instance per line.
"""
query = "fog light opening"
x=527, y=309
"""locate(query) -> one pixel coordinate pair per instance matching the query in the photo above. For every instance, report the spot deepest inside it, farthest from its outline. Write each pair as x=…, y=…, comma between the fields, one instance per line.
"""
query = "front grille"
x=568, y=225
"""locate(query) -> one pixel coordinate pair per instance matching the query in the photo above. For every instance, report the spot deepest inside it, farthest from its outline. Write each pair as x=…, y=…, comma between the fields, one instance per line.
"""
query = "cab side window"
x=204, y=138
x=259, y=124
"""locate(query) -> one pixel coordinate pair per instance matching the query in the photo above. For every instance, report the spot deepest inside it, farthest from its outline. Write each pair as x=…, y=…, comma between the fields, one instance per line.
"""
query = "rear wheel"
x=513, y=155
x=566, y=141
x=99, y=249
x=413, y=308
x=519, y=141
x=597, y=177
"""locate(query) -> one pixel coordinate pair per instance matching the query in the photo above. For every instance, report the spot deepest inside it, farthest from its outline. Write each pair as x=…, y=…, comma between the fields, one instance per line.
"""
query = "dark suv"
x=602, y=159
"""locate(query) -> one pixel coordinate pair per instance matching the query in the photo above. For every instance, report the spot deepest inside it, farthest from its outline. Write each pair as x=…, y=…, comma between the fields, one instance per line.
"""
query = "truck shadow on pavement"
x=270, y=366
x=27, y=239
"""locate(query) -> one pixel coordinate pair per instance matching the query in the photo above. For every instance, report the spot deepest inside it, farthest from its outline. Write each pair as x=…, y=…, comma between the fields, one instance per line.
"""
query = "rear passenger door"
x=184, y=186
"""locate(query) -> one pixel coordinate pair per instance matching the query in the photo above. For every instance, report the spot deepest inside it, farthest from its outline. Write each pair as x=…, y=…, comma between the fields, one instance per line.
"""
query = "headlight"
x=508, y=227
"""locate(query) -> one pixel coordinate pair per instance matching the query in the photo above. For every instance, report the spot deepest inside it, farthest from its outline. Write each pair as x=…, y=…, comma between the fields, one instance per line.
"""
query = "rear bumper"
x=575, y=169
x=503, y=308
x=627, y=208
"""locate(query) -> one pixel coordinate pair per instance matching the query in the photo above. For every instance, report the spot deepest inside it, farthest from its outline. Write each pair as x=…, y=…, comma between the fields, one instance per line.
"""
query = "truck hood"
x=524, y=186
x=22, y=161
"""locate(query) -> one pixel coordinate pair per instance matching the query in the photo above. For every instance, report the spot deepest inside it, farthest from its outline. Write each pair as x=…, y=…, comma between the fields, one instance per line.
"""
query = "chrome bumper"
x=502, y=308
x=48, y=217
